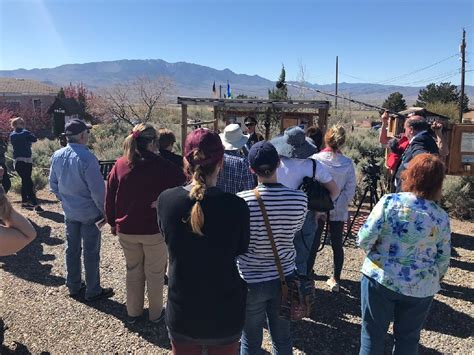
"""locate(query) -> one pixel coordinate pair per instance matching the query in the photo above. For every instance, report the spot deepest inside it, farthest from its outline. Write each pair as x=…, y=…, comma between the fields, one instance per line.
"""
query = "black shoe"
x=132, y=320
x=38, y=209
x=160, y=318
x=27, y=205
x=106, y=293
x=78, y=293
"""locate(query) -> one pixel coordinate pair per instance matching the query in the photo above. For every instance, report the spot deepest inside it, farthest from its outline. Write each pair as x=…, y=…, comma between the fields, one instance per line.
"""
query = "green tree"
x=61, y=94
x=395, y=102
x=281, y=90
x=443, y=92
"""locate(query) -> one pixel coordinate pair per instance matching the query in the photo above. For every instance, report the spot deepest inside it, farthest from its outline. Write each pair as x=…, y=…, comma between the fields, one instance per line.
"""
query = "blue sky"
x=375, y=40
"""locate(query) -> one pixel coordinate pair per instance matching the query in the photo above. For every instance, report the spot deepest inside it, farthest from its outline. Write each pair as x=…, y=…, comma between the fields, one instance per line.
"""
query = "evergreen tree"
x=443, y=93
x=395, y=102
x=61, y=94
x=281, y=90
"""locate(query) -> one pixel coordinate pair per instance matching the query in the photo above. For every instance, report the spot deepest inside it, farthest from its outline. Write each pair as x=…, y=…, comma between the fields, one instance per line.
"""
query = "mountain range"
x=197, y=80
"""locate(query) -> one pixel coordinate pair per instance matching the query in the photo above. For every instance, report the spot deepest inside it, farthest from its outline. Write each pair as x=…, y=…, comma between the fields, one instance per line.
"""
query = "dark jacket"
x=170, y=156
x=130, y=193
x=424, y=143
x=21, y=140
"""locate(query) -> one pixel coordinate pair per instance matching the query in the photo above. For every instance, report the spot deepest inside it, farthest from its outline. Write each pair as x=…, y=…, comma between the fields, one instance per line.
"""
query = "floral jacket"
x=408, y=244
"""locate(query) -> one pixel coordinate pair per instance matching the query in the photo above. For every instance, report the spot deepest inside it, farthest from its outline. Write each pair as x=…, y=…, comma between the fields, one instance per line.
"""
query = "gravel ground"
x=38, y=316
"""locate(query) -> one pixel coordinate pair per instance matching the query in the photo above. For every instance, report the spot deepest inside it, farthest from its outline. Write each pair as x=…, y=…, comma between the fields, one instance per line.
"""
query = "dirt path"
x=39, y=316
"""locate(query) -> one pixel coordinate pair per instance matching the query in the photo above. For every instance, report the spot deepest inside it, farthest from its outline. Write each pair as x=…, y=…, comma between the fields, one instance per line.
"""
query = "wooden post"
x=184, y=126
x=323, y=119
x=463, y=73
x=216, y=118
x=267, y=124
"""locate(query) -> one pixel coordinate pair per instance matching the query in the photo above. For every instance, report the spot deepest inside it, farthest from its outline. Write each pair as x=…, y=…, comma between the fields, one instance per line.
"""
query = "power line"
x=379, y=108
x=435, y=77
x=386, y=81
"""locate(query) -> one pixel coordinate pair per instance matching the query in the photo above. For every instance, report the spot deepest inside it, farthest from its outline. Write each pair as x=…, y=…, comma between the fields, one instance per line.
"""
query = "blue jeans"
x=379, y=306
x=263, y=300
x=303, y=242
x=83, y=235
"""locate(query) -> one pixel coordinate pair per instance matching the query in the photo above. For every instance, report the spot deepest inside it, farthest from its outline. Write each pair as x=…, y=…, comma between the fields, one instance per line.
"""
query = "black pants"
x=336, y=229
x=27, y=189
x=6, y=183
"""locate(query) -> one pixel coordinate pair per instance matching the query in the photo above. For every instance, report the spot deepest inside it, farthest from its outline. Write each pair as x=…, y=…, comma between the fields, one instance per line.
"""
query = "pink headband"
x=135, y=134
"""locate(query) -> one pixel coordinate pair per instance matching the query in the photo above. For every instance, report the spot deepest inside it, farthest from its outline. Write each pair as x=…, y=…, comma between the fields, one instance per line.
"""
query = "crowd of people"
x=198, y=223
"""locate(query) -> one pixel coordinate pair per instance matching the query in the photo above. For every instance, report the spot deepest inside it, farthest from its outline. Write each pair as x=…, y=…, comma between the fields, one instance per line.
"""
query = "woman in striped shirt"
x=286, y=209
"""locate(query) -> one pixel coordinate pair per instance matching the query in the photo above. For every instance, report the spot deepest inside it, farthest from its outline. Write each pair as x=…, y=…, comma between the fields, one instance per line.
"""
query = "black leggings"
x=336, y=229
x=27, y=189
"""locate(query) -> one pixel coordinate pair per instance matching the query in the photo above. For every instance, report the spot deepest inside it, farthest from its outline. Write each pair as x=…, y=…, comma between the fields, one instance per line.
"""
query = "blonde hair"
x=137, y=141
x=199, y=174
x=5, y=205
x=335, y=137
x=15, y=121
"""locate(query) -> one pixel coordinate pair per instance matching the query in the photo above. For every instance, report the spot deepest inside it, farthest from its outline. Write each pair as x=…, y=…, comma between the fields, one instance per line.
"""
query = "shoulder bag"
x=297, y=295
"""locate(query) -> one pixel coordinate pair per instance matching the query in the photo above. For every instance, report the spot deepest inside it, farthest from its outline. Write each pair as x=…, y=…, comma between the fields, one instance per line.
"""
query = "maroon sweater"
x=130, y=193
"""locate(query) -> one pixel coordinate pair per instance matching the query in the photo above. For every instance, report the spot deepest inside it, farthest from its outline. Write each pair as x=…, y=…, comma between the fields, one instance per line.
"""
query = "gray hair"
x=74, y=139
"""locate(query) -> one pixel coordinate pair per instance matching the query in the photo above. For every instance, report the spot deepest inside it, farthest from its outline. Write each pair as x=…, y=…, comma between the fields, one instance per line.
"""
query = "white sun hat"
x=233, y=138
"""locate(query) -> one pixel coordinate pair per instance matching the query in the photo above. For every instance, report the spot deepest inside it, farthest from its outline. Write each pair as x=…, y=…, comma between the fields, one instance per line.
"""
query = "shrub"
x=40, y=181
x=458, y=196
x=106, y=140
x=359, y=146
x=42, y=152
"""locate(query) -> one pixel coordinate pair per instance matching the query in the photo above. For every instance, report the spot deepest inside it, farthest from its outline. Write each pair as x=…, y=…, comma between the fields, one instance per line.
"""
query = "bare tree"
x=301, y=79
x=138, y=101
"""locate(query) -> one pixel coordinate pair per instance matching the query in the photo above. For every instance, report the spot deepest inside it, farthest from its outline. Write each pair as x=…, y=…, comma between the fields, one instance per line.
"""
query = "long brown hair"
x=199, y=174
x=137, y=141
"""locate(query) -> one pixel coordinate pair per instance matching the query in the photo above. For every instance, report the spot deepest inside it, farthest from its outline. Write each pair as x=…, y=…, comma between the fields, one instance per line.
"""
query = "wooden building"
x=287, y=113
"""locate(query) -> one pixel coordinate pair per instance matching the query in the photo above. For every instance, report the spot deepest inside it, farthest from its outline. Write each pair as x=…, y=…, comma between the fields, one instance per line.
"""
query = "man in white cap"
x=235, y=175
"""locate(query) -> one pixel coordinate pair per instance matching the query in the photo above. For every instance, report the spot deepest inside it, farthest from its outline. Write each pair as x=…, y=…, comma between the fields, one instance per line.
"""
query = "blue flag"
x=229, y=92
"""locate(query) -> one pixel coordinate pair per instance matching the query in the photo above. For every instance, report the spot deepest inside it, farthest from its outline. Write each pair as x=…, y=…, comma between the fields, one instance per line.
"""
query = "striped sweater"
x=286, y=209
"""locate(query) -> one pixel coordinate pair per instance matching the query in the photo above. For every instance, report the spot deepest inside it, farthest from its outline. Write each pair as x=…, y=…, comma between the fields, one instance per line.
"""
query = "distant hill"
x=196, y=80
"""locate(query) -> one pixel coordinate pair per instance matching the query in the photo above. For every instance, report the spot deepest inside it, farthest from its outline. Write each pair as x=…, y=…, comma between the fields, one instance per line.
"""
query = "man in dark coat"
x=421, y=141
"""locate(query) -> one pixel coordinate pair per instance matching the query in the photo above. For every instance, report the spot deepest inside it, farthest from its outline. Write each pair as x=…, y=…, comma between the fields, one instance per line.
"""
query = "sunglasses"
x=249, y=124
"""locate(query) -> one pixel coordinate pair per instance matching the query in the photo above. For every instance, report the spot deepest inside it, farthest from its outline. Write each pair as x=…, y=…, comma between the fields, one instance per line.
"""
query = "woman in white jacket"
x=342, y=170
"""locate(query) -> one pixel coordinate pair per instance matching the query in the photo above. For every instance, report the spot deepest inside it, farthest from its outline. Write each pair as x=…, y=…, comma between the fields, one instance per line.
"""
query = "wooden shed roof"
x=254, y=103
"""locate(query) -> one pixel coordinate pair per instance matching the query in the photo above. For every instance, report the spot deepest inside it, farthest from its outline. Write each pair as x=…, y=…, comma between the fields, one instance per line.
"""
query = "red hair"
x=424, y=176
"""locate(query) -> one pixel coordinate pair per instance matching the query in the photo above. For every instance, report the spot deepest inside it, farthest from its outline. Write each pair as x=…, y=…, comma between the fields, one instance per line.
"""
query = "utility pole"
x=337, y=73
x=463, y=72
x=220, y=91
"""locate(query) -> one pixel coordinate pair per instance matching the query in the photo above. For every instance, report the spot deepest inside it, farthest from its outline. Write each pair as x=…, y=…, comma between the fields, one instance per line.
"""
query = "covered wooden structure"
x=289, y=113
x=458, y=137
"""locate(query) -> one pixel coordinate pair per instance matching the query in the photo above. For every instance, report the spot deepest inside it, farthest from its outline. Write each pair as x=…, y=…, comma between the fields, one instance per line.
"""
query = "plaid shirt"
x=235, y=175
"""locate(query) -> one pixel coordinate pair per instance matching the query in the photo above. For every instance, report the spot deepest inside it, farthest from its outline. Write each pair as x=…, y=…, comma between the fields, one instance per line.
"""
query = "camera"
x=371, y=169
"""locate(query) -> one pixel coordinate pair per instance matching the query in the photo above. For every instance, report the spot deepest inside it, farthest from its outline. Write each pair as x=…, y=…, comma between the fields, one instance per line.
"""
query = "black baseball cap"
x=75, y=126
x=263, y=156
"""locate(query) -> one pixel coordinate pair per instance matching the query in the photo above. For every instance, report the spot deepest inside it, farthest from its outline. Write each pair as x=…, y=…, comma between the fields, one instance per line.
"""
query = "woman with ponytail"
x=342, y=171
x=205, y=230
x=134, y=184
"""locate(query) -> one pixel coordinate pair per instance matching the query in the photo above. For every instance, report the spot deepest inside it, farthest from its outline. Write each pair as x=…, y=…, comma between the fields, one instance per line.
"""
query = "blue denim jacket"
x=76, y=180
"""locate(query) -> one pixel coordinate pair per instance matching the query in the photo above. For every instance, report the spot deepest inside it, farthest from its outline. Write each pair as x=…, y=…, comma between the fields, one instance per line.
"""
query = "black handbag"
x=319, y=198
